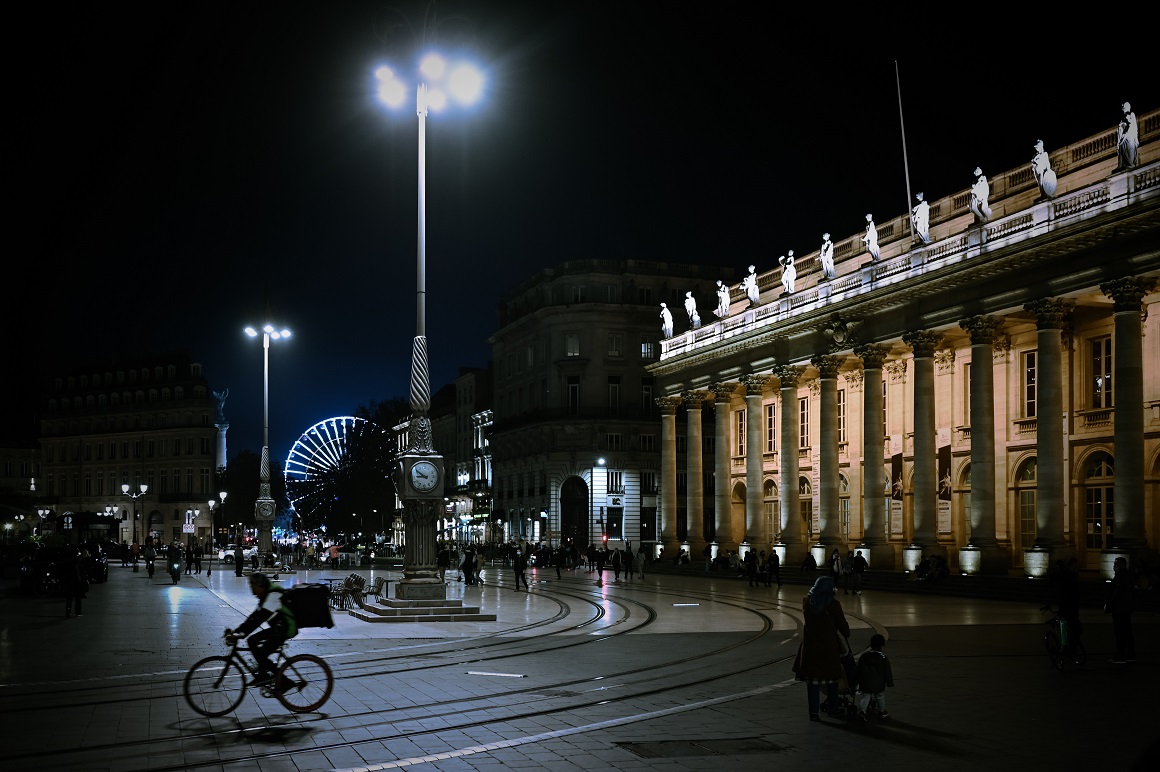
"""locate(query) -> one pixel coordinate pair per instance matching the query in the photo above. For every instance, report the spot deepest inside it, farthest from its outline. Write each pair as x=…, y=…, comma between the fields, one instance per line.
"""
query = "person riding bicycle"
x=263, y=643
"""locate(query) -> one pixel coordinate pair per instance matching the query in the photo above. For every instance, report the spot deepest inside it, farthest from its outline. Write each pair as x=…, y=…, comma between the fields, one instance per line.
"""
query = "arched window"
x=844, y=506
x=806, y=506
x=1099, y=514
x=963, y=493
x=1025, y=482
x=769, y=502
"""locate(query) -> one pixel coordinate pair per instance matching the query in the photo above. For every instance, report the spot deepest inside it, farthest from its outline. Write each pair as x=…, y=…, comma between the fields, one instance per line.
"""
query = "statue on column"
x=220, y=398
x=691, y=310
x=666, y=321
x=788, y=272
x=980, y=192
x=749, y=284
x=871, y=237
x=920, y=218
x=722, y=309
x=1041, y=168
x=826, y=256
x=1127, y=138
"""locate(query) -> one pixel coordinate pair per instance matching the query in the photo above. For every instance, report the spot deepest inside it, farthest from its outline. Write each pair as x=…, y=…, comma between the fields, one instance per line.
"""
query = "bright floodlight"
x=436, y=99
x=251, y=332
x=466, y=83
x=392, y=91
x=433, y=66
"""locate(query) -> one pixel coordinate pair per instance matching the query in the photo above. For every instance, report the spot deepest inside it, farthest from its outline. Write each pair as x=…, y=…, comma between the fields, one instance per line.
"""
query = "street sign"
x=188, y=528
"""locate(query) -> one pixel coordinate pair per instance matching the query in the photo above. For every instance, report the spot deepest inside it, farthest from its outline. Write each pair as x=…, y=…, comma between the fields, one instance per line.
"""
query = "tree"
x=242, y=481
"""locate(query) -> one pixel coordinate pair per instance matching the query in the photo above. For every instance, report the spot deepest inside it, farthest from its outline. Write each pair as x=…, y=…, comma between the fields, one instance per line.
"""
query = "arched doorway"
x=1098, y=510
x=574, y=511
x=1026, y=491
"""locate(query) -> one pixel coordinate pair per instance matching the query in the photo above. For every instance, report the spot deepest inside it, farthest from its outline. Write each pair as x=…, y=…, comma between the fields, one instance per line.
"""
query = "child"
x=873, y=677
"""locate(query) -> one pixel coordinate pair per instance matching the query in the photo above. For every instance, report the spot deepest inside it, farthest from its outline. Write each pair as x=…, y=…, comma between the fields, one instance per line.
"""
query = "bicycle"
x=216, y=685
x=1061, y=646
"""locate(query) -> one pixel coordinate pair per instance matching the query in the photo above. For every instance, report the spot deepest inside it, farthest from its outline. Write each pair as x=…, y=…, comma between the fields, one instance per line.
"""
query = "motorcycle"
x=149, y=566
x=175, y=570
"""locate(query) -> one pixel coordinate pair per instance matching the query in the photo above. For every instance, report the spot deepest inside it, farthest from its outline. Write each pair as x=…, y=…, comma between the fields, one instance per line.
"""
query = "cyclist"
x=265, y=642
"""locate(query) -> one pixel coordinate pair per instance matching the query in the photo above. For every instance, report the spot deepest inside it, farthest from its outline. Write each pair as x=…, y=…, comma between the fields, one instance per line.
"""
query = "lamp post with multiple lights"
x=264, y=506
x=213, y=506
x=125, y=491
x=419, y=471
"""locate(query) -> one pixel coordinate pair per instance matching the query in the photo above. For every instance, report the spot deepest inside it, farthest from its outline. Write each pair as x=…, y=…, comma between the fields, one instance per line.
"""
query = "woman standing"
x=817, y=660
x=835, y=566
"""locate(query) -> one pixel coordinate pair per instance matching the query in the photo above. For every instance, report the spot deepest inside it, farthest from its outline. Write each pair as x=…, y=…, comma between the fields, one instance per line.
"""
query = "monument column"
x=668, y=534
x=874, y=547
x=925, y=495
x=722, y=501
x=830, y=535
x=1051, y=314
x=695, y=488
x=982, y=553
x=1128, y=430
x=754, y=388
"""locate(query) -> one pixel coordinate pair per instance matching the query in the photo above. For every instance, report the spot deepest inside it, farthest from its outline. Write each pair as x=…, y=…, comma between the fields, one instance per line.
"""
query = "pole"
x=902, y=126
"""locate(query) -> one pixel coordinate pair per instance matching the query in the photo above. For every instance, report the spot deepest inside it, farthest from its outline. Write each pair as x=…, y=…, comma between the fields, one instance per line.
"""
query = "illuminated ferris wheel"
x=329, y=462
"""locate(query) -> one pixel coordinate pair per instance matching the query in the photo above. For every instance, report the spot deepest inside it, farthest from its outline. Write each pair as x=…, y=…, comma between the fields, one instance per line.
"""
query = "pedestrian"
x=468, y=566
x=708, y=555
x=628, y=561
x=847, y=572
x=859, y=570
x=774, y=566
x=835, y=566
x=751, y=567
x=616, y=563
x=124, y=554
x=809, y=566
x=643, y=557
x=74, y=580
x=519, y=567
x=188, y=559
x=443, y=561
x=558, y=559
x=479, y=566
x=1119, y=605
x=198, y=553
x=239, y=558
x=601, y=559
x=332, y=554
x=817, y=661
x=874, y=675
x=134, y=552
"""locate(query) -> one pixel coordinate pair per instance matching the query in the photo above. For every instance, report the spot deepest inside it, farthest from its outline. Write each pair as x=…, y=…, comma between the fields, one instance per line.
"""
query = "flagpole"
x=905, y=163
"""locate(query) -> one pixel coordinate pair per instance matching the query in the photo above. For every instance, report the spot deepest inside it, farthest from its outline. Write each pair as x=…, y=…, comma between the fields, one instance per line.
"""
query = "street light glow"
x=438, y=84
x=433, y=66
x=466, y=83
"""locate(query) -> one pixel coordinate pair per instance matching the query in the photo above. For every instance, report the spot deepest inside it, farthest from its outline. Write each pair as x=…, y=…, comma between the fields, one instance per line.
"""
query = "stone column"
x=754, y=387
x=668, y=513
x=830, y=536
x=722, y=501
x=1051, y=315
x=878, y=553
x=789, y=498
x=982, y=554
x=924, y=536
x=1128, y=430
x=695, y=489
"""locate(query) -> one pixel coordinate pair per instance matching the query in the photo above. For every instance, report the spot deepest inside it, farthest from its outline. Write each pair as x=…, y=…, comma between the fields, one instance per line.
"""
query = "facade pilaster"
x=874, y=546
x=694, y=469
x=722, y=501
x=789, y=498
x=829, y=518
x=754, y=388
x=925, y=491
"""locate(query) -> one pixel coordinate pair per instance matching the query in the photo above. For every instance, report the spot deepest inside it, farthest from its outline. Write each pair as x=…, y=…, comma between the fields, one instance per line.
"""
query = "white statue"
x=749, y=284
x=871, y=237
x=920, y=217
x=1041, y=168
x=722, y=309
x=691, y=310
x=980, y=192
x=788, y=272
x=666, y=321
x=1127, y=138
x=826, y=255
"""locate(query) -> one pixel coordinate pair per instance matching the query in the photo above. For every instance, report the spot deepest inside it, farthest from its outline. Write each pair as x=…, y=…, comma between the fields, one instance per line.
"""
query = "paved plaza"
x=672, y=672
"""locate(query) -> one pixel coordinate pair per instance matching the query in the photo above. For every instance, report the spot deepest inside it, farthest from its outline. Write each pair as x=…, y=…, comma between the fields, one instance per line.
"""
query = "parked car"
x=227, y=555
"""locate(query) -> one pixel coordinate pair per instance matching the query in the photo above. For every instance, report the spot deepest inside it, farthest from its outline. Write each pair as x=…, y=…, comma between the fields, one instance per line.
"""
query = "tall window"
x=615, y=344
x=1101, y=374
x=572, y=345
x=682, y=482
x=615, y=481
x=648, y=443
x=803, y=422
x=647, y=401
x=573, y=395
x=1098, y=511
x=1029, y=384
x=739, y=433
x=771, y=427
x=578, y=294
x=648, y=482
x=1025, y=482
x=841, y=415
x=614, y=395
x=614, y=440
x=648, y=348
x=967, y=394
x=885, y=433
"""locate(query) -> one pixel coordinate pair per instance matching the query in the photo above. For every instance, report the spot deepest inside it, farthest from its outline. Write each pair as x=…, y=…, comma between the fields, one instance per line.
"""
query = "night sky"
x=182, y=167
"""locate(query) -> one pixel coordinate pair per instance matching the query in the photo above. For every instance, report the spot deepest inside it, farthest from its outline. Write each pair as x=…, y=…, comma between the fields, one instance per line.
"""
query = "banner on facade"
x=896, y=494
x=944, y=489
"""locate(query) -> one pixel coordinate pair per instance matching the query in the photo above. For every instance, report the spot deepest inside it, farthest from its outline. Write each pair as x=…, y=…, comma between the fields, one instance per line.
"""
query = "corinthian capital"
x=669, y=405
x=982, y=329
x=754, y=384
x=724, y=391
x=693, y=399
x=923, y=342
x=827, y=365
x=872, y=355
x=788, y=375
x=1050, y=313
x=1128, y=292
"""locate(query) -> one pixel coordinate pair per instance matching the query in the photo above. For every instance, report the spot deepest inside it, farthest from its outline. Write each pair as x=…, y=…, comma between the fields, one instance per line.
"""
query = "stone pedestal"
x=879, y=557
x=983, y=560
x=1037, y=561
x=912, y=555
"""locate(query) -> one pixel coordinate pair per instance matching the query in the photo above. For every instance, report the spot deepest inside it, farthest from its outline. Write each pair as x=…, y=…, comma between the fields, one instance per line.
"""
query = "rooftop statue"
x=1041, y=168
x=826, y=255
x=920, y=218
x=749, y=284
x=980, y=192
x=666, y=321
x=722, y=309
x=691, y=310
x=871, y=237
x=1127, y=138
x=788, y=272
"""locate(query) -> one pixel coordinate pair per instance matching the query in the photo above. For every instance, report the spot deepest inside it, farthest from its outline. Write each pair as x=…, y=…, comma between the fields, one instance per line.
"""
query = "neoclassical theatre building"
x=986, y=387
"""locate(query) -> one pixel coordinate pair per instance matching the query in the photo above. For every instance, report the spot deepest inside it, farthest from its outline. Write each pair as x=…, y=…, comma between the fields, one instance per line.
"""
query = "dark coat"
x=874, y=673
x=818, y=656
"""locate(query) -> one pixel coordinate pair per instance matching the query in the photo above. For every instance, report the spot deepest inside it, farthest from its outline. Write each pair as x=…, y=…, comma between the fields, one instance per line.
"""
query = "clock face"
x=424, y=476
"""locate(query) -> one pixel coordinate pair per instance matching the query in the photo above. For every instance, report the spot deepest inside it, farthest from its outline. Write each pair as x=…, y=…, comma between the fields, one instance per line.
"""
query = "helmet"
x=259, y=580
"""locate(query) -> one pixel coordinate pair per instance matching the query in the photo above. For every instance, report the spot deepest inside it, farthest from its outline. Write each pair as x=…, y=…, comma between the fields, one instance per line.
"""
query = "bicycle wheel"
x=303, y=683
x=1054, y=650
x=214, y=686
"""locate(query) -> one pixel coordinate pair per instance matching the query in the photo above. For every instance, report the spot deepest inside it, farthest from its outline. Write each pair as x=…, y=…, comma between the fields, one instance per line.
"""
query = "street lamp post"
x=264, y=506
x=592, y=501
x=220, y=503
x=134, y=496
x=419, y=471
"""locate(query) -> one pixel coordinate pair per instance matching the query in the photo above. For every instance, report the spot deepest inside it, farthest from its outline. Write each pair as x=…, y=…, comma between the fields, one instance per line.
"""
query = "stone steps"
x=394, y=610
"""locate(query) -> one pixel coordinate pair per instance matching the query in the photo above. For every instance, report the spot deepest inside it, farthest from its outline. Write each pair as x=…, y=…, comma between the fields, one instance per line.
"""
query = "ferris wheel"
x=327, y=460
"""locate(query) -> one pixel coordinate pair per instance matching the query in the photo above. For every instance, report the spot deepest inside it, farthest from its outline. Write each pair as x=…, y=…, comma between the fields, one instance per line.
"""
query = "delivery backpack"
x=310, y=604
